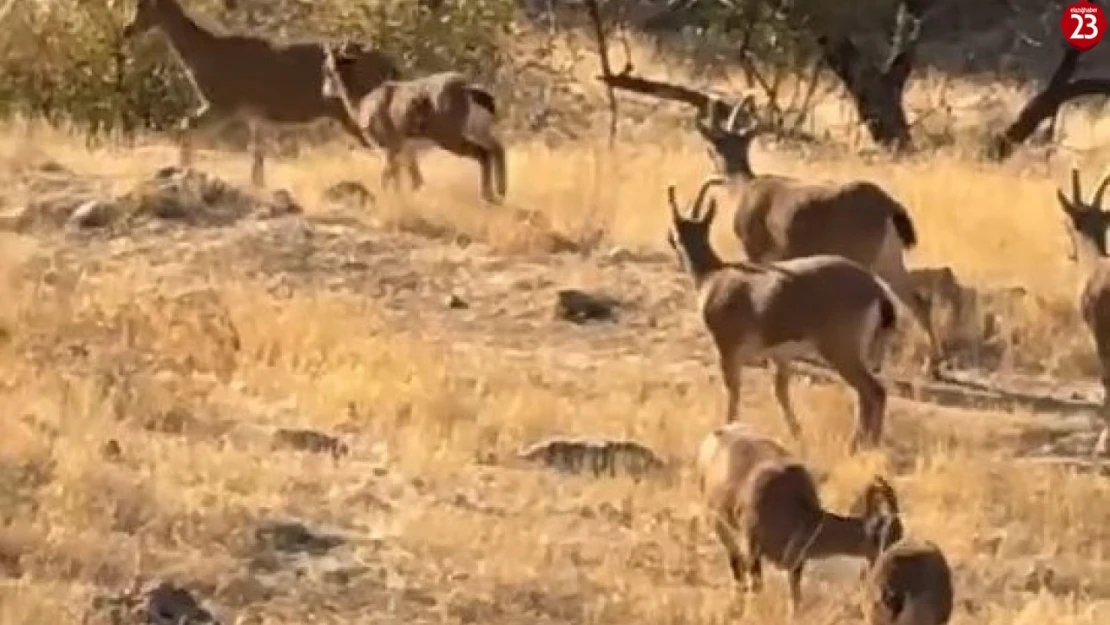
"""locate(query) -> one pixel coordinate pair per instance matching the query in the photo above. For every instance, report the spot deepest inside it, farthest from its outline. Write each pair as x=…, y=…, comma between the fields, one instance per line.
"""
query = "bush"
x=62, y=60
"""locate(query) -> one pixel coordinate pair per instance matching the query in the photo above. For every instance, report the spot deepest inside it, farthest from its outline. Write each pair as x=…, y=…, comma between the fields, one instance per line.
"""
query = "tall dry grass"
x=116, y=351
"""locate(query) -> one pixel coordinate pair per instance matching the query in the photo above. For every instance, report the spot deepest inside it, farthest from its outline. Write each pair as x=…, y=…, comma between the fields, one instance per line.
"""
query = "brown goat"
x=786, y=524
x=909, y=584
x=779, y=217
x=755, y=493
x=1087, y=224
x=259, y=80
x=444, y=108
x=780, y=310
x=726, y=459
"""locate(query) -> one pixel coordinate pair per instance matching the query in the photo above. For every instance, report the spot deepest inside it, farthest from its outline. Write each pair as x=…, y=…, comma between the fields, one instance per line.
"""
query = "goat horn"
x=672, y=197
x=695, y=211
x=1096, y=199
x=1065, y=203
x=1075, y=193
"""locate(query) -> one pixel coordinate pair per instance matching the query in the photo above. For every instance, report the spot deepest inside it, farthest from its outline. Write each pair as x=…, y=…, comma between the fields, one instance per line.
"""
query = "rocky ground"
x=347, y=529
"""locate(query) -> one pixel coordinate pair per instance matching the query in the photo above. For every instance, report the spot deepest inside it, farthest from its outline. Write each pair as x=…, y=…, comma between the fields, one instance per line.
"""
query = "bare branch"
x=606, y=69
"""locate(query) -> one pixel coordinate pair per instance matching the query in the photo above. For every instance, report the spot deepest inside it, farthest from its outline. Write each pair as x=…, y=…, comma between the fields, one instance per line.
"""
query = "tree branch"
x=1046, y=104
x=606, y=69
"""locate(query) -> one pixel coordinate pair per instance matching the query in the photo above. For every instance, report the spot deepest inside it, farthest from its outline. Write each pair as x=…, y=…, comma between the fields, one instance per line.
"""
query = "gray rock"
x=168, y=604
x=309, y=440
x=579, y=306
x=294, y=537
x=597, y=455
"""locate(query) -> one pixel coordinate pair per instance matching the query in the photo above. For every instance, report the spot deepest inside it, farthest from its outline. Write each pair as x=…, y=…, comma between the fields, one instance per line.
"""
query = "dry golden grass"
x=98, y=342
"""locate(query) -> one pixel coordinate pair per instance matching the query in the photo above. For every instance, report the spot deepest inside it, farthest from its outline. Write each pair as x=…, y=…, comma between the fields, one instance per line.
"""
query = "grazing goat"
x=778, y=217
x=909, y=584
x=786, y=524
x=1087, y=224
x=250, y=77
x=444, y=108
x=726, y=459
x=755, y=493
x=781, y=309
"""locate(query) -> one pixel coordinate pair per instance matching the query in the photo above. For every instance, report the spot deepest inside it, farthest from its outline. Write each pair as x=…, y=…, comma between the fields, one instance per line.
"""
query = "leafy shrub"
x=64, y=60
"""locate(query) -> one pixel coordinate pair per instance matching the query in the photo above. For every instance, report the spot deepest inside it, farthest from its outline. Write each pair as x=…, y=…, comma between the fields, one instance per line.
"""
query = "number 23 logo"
x=1087, y=20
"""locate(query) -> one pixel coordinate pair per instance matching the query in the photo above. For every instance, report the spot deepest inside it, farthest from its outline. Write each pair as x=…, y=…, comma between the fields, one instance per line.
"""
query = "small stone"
x=309, y=440
x=579, y=306
x=282, y=203
x=455, y=302
x=295, y=537
x=168, y=604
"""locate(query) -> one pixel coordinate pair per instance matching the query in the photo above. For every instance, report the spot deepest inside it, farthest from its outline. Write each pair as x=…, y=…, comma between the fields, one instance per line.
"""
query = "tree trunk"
x=1045, y=105
x=877, y=89
x=876, y=92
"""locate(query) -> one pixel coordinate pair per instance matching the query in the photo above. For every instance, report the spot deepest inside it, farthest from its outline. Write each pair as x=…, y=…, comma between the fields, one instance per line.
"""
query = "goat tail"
x=482, y=97
x=903, y=225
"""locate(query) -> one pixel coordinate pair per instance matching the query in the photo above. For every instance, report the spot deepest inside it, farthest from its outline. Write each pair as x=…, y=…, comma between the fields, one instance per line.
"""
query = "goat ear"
x=672, y=198
x=1065, y=203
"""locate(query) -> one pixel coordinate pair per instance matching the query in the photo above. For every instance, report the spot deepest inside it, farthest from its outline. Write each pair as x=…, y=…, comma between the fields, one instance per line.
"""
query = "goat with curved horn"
x=1087, y=224
x=782, y=309
x=780, y=217
x=762, y=501
x=446, y=108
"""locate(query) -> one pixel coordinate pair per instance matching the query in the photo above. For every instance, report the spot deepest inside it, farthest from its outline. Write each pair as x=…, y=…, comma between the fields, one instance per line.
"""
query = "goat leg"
x=919, y=307
x=726, y=534
x=730, y=372
x=257, y=173
x=870, y=399
x=497, y=156
x=391, y=171
x=795, y=579
x=783, y=373
x=755, y=565
x=413, y=168
x=185, y=130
